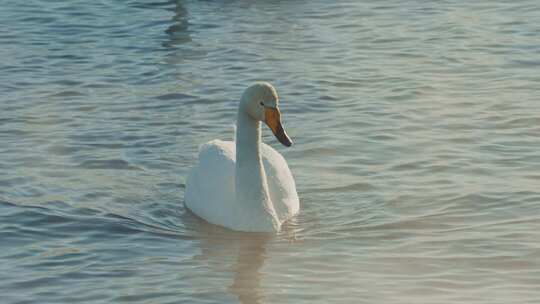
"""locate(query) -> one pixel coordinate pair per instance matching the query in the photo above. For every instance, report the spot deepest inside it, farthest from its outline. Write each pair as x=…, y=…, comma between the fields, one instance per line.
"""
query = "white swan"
x=247, y=185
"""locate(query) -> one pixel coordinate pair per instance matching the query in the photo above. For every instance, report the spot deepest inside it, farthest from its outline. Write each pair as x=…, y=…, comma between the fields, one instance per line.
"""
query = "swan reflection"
x=247, y=276
x=239, y=253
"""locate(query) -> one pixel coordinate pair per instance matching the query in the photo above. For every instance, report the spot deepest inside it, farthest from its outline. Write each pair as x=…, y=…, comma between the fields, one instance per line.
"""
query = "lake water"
x=417, y=155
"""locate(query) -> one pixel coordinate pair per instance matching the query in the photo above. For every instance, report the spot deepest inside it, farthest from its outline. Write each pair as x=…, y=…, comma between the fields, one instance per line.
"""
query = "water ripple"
x=416, y=159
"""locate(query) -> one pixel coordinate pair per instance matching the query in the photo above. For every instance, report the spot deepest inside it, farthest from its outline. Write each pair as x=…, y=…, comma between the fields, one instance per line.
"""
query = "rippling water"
x=417, y=156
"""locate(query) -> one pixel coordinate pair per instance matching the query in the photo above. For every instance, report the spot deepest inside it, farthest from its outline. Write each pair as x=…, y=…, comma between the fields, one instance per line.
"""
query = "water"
x=417, y=156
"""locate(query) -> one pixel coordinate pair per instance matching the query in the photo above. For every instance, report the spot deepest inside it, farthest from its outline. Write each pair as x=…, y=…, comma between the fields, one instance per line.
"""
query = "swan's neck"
x=251, y=184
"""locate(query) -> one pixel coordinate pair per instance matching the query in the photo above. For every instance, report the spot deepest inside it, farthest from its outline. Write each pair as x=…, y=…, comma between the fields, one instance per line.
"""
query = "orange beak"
x=272, y=118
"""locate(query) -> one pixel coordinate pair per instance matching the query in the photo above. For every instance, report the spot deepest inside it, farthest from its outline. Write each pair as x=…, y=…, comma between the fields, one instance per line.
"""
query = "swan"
x=245, y=185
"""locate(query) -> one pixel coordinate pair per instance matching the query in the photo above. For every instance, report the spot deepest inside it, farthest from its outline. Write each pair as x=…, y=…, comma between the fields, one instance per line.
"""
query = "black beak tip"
x=281, y=136
x=287, y=142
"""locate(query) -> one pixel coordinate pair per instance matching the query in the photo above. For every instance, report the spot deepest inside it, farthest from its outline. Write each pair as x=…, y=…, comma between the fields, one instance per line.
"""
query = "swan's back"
x=210, y=191
x=210, y=187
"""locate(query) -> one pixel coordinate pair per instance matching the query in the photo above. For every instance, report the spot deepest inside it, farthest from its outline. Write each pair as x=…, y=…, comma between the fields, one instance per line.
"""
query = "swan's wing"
x=210, y=185
x=280, y=183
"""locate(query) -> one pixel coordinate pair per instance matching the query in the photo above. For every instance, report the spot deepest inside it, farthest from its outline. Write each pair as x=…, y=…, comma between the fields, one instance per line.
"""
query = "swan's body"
x=211, y=192
x=245, y=185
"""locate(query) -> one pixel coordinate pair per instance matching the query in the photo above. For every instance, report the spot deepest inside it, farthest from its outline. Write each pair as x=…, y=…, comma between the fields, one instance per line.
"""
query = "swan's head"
x=260, y=101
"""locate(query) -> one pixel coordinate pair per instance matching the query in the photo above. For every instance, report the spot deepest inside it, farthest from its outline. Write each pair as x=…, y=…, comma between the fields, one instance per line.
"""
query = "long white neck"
x=251, y=184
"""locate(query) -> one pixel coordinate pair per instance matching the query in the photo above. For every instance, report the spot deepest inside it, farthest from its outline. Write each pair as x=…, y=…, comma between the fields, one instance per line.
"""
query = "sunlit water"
x=417, y=156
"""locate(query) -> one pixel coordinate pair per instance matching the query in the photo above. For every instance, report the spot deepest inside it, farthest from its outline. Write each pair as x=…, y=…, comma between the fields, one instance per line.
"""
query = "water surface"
x=417, y=156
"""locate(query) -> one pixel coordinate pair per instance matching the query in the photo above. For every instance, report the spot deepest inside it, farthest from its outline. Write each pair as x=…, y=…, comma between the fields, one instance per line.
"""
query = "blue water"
x=417, y=155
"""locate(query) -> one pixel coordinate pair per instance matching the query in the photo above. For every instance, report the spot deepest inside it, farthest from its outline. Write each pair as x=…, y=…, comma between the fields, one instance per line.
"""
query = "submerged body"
x=245, y=185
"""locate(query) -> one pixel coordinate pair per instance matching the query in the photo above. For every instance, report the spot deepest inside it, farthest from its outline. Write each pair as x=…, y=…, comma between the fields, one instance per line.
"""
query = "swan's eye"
x=261, y=103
